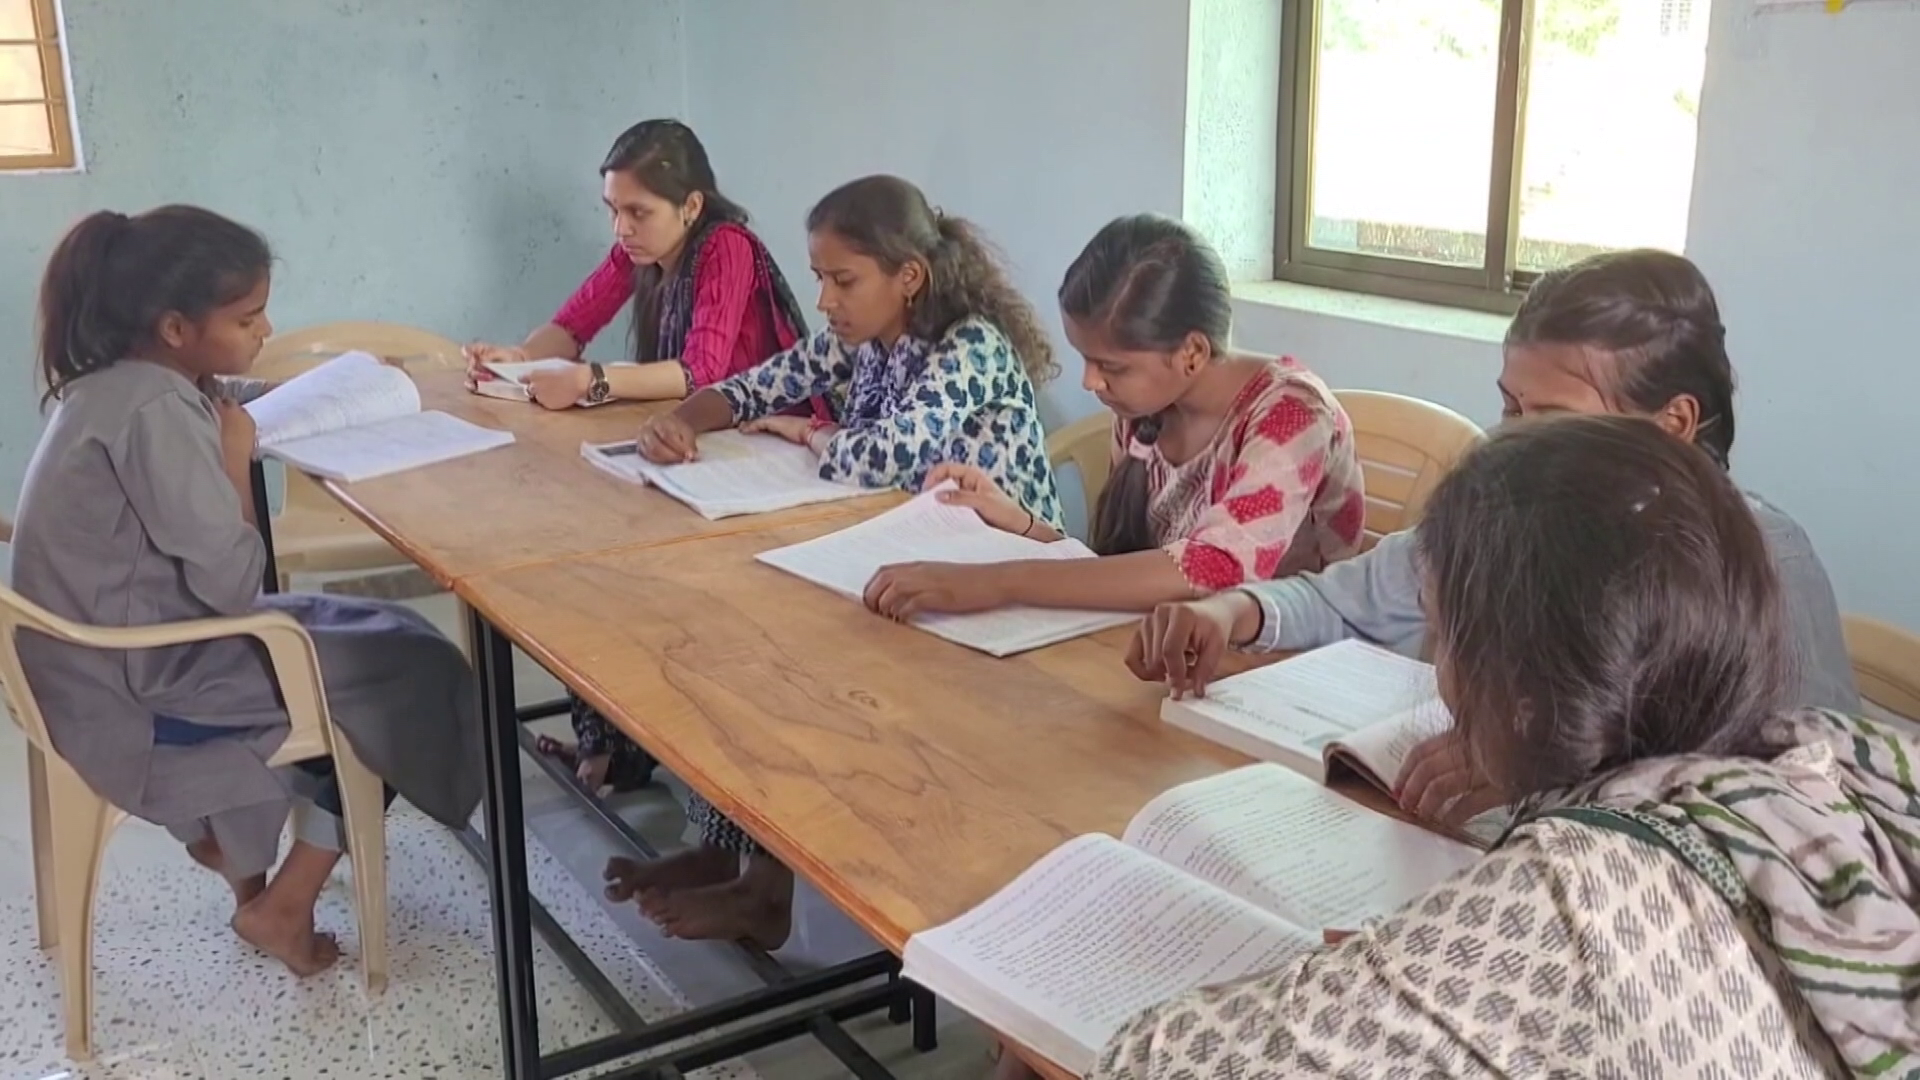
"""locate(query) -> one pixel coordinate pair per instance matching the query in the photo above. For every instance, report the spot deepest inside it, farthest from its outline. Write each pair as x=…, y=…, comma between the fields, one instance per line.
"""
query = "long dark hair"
x=666, y=158
x=112, y=278
x=1147, y=282
x=1653, y=315
x=890, y=221
x=1599, y=593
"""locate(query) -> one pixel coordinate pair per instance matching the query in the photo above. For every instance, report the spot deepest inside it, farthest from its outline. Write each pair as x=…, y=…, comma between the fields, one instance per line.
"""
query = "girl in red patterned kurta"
x=1228, y=468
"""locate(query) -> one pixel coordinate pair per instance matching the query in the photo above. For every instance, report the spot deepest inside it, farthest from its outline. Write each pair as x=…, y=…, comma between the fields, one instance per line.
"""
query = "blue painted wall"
x=430, y=162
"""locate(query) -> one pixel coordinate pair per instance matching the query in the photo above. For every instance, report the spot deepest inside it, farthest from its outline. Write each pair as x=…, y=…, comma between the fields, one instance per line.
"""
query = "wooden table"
x=906, y=777
x=536, y=500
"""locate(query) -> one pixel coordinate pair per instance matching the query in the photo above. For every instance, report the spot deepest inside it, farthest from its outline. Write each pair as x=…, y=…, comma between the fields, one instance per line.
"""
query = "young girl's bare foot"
x=207, y=853
x=757, y=906
x=627, y=878
x=286, y=935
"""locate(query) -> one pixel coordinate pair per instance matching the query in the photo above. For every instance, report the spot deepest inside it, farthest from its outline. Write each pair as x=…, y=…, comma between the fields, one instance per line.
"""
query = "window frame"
x=1498, y=284
x=53, y=77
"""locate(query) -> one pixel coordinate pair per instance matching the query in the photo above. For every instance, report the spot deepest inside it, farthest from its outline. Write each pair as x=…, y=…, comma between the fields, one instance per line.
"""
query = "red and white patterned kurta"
x=1278, y=491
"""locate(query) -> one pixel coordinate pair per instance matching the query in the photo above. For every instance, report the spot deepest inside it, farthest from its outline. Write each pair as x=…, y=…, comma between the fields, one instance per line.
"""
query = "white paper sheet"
x=389, y=446
x=927, y=530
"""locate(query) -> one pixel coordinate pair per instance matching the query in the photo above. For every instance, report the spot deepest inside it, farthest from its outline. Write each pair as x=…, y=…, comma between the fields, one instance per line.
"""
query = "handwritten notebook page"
x=928, y=530
x=1292, y=711
x=347, y=391
x=735, y=474
x=1286, y=844
x=389, y=446
x=1087, y=937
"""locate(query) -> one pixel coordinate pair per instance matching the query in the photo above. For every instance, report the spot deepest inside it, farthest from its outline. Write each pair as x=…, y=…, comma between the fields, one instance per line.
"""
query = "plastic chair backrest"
x=1405, y=446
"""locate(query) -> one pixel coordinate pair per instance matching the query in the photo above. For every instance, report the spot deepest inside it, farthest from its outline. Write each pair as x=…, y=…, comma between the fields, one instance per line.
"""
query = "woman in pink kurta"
x=707, y=299
x=1229, y=468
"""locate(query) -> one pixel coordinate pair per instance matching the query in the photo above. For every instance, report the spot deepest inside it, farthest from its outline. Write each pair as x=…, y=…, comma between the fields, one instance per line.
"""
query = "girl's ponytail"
x=77, y=332
x=1120, y=522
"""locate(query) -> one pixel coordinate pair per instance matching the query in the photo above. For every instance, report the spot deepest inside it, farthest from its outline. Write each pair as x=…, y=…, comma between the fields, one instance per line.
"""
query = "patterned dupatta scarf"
x=675, y=301
x=1819, y=847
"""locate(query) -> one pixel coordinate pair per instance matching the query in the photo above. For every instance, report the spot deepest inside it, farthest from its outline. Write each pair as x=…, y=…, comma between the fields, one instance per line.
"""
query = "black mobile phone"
x=620, y=449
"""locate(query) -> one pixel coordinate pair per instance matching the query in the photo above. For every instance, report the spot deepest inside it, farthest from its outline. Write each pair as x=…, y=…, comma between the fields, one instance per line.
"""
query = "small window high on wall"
x=1452, y=150
x=36, y=126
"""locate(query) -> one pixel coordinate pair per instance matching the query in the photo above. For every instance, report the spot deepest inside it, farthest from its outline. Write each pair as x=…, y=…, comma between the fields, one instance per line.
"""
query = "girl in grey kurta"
x=135, y=511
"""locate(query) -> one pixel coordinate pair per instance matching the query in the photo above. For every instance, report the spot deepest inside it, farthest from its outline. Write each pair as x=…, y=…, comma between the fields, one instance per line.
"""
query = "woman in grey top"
x=1631, y=333
x=136, y=511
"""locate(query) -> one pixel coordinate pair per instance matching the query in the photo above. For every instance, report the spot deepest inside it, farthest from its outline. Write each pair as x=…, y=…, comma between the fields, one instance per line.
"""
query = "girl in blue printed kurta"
x=930, y=357
x=963, y=399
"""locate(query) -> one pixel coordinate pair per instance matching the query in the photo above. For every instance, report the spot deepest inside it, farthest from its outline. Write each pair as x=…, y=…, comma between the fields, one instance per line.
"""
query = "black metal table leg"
x=263, y=520
x=507, y=854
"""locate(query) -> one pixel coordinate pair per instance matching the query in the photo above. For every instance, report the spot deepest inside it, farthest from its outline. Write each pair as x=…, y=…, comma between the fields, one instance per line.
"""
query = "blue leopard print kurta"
x=964, y=399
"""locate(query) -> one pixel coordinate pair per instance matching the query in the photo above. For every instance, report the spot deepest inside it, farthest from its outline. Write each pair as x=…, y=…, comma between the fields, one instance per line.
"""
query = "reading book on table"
x=928, y=530
x=734, y=474
x=506, y=384
x=1346, y=709
x=355, y=417
x=1214, y=880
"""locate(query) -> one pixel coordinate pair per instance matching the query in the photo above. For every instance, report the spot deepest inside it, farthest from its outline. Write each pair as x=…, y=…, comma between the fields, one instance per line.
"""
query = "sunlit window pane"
x=1610, y=126
x=1403, y=128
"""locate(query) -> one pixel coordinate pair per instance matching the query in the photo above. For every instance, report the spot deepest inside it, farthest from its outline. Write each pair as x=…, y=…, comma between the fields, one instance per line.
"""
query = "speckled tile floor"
x=177, y=997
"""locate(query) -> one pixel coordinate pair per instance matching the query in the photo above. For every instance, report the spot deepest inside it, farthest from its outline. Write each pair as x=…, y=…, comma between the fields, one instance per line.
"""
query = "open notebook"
x=927, y=530
x=734, y=474
x=506, y=384
x=1214, y=880
x=1349, y=708
x=355, y=417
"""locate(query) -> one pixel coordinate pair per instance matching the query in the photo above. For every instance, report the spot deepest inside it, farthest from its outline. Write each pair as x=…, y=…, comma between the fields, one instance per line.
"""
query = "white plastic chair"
x=313, y=533
x=1405, y=445
x=1087, y=445
x=72, y=825
x=1886, y=664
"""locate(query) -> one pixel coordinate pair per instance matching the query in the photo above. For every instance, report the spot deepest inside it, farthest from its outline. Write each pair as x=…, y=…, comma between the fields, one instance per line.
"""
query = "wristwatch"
x=598, y=389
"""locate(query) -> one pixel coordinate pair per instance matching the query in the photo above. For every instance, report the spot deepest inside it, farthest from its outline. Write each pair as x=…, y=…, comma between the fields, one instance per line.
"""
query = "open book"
x=506, y=384
x=735, y=474
x=928, y=530
x=1222, y=878
x=1349, y=708
x=355, y=417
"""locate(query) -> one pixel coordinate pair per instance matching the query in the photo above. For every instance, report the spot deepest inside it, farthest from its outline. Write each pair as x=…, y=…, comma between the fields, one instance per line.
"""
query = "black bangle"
x=1031, y=522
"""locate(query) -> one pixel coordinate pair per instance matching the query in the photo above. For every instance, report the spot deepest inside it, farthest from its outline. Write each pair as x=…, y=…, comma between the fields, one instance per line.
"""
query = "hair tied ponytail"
x=1146, y=432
